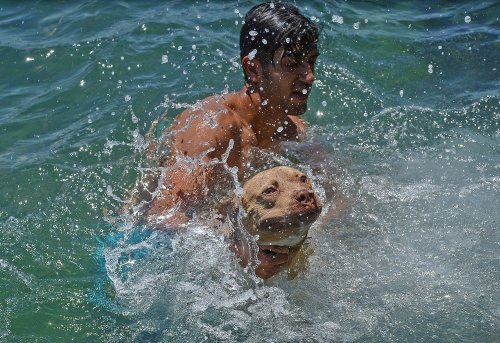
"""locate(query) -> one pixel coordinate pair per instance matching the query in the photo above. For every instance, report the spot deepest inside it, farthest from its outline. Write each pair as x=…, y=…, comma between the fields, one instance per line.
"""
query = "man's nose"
x=307, y=73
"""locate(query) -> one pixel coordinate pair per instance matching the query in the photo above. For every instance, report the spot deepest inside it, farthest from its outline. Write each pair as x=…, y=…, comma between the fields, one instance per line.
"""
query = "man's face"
x=287, y=81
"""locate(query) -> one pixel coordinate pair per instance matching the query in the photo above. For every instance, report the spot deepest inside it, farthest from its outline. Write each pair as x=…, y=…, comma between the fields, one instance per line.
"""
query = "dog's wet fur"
x=280, y=206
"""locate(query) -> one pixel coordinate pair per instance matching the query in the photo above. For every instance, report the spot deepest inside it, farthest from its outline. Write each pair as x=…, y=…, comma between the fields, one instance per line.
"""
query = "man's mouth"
x=301, y=94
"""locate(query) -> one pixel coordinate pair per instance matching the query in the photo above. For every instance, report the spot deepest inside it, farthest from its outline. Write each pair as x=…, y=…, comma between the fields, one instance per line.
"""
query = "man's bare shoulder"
x=207, y=126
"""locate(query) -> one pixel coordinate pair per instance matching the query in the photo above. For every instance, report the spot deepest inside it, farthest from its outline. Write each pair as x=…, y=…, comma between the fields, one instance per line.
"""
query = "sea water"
x=403, y=121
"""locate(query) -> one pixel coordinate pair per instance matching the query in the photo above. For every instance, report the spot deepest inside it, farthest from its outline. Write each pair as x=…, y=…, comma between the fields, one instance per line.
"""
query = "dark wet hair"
x=271, y=25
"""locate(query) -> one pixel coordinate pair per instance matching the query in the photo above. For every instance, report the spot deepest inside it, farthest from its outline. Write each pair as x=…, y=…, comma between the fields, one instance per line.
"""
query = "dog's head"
x=280, y=206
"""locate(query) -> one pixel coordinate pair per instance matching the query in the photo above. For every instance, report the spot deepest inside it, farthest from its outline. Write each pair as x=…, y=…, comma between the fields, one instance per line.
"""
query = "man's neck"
x=264, y=120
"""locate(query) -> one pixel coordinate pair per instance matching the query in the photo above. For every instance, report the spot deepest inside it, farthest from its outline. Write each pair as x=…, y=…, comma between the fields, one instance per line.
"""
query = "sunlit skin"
x=275, y=96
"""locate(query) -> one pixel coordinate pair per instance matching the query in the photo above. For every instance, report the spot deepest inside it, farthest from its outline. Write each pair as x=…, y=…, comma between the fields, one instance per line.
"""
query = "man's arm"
x=195, y=171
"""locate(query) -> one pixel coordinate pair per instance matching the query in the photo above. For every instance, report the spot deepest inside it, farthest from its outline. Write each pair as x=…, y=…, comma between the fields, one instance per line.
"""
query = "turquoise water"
x=406, y=107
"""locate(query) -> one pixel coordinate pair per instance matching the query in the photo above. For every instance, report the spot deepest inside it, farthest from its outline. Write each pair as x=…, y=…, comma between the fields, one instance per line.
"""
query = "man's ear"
x=253, y=70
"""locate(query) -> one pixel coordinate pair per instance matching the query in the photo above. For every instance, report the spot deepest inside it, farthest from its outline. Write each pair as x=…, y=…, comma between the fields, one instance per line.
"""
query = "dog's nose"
x=304, y=196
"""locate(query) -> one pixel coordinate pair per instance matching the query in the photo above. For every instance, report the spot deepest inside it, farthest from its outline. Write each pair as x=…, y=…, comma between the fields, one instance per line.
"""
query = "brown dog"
x=280, y=207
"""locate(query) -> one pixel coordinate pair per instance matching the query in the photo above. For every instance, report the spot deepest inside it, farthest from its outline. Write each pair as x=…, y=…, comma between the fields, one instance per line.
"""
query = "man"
x=278, y=54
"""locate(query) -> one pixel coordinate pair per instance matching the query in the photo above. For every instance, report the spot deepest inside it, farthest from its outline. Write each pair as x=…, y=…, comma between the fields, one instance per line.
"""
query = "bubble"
x=252, y=54
x=356, y=25
x=264, y=41
x=401, y=93
x=467, y=19
x=127, y=98
x=82, y=83
x=164, y=59
x=323, y=103
x=319, y=114
x=264, y=103
x=304, y=91
x=337, y=19
x=430, y=68
x=279, y=129
x=253, y=33
x=29, y=59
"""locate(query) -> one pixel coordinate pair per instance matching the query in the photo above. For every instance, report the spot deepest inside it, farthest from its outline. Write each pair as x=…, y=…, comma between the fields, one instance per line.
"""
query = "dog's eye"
x=303, y=179
x=269, y=190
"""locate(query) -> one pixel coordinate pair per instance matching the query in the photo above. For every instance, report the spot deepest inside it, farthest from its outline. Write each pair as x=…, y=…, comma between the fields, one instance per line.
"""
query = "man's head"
x=278, y=48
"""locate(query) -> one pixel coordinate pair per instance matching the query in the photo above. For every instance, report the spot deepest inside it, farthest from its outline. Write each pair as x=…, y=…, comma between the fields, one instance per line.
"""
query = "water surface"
x=406, y=108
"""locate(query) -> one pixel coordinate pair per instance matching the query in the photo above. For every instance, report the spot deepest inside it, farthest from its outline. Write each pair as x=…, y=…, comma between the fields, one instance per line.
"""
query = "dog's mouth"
x=287, y=230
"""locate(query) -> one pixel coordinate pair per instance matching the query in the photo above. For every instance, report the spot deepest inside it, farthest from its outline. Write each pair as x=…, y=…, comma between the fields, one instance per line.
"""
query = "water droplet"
x=264, y=102
x=253, y=33
x=127, y=98
x=164, y=59
x=264, y=41
x=82, y=83
x=430, y=68
x=319, y=114
x=304, y=91
x=468, y=19
x=279, y=129
x=337, y=19
x=323, y=103
x=252, y=54
x=29, y=59
x=356, y=25
x=401, y=93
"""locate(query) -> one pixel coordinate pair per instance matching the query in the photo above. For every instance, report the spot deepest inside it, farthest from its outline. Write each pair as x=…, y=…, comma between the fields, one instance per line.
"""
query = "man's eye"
x=290, y=62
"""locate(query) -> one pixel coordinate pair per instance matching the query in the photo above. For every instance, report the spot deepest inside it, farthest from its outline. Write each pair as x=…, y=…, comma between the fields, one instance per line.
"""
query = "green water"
x=406, y=104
